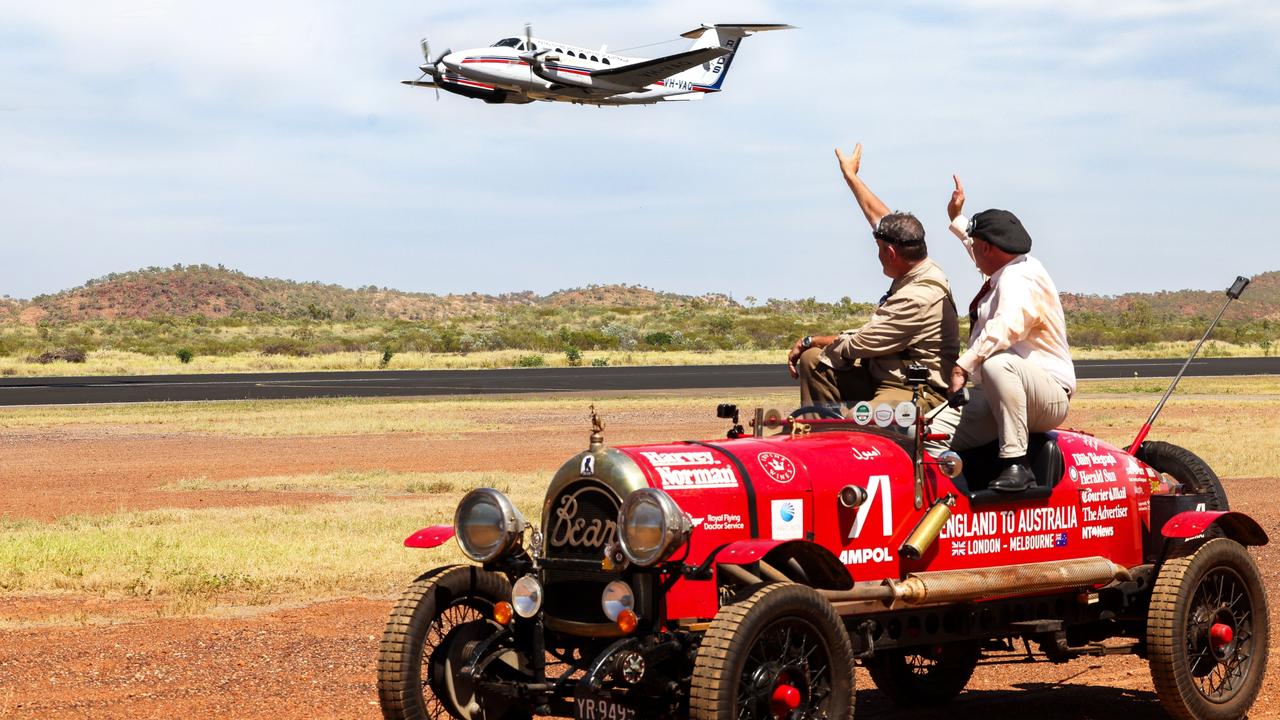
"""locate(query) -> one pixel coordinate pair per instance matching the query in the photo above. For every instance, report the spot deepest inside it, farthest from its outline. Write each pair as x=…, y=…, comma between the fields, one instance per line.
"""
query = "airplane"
x=521, y=70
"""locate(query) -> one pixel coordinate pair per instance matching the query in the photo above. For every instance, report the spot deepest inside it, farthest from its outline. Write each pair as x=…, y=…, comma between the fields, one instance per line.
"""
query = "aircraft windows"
x=508, y=42
x=595, y=59
x=605, y=61
x=533, y=46
x=559, y=50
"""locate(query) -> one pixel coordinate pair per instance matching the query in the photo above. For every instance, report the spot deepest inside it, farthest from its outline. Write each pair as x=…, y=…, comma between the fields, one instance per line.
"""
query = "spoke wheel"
x=782, y=653
x=1207, y=633
x=922, y=678
x=428, y=638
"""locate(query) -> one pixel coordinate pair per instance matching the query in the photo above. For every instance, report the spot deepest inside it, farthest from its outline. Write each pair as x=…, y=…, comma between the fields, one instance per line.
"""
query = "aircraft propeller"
x=432, y=67
x=530, y=55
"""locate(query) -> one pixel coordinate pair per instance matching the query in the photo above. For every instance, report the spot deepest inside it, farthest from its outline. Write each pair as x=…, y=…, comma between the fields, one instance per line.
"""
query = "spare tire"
x=1187, y=468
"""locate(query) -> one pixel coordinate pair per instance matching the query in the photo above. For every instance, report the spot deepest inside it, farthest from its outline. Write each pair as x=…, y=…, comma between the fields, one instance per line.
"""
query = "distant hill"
x=1260, y=301
x=216, y=292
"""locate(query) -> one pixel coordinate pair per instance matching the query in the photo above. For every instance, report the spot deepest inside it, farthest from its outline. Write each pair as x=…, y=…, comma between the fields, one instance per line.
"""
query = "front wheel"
x=923, y=678
x=1207, y=633
x=780, y=653
x=439, y=619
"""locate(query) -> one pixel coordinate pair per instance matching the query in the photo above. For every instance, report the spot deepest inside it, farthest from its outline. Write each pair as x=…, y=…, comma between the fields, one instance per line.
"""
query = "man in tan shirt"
x=914, y=323
x=1018, y=357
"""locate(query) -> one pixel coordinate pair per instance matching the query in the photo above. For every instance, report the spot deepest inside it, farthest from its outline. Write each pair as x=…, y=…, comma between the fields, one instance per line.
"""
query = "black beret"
x=1002, y=229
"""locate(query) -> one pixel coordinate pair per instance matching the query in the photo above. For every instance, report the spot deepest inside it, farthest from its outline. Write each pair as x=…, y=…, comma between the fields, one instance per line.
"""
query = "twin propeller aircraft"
x=521, y=70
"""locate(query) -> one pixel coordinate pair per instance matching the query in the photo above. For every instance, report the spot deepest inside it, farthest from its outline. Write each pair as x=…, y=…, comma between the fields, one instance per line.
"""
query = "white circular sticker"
x=884, y=415
x=778, y=467
x=905, y=415
x=862, y=413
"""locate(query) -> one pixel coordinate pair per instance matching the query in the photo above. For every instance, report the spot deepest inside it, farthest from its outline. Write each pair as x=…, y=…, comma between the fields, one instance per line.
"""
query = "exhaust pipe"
x=948, y=586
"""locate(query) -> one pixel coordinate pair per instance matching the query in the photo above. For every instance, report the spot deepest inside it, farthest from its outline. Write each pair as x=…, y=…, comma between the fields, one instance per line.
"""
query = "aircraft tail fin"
x=710, y=77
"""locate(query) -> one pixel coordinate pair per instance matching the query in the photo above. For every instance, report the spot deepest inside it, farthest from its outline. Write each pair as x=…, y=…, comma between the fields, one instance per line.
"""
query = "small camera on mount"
x=727, y=411
x=917, y=375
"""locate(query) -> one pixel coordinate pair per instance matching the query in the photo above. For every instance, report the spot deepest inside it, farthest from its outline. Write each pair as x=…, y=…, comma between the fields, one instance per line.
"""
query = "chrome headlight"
x=487, y=525
x=617, y=596
x=526, y=596
x=652, y=526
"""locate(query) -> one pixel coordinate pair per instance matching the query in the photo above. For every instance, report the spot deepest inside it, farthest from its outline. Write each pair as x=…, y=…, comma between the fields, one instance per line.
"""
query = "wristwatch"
x=806, y=342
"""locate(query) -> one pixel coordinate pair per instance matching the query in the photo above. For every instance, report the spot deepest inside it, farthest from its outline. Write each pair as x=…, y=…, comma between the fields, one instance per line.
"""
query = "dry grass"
x=379, y=483
x=115, y=362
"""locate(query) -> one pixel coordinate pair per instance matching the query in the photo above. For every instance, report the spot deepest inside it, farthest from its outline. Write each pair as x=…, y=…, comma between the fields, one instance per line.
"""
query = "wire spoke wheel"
x=782, y=653
x=924, y=677
x=1207, y=633
x=438, y=620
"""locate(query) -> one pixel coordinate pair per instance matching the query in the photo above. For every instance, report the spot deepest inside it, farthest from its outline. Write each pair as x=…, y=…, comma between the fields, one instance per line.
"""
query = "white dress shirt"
x=1022, y=314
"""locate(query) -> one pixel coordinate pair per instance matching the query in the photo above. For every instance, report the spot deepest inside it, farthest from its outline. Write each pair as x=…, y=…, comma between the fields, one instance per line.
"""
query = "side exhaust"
x=947, y=586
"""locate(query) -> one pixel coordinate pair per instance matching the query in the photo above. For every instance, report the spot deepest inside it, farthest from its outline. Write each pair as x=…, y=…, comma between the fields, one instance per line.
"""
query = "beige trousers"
x=1016, y=397
x=821, y=384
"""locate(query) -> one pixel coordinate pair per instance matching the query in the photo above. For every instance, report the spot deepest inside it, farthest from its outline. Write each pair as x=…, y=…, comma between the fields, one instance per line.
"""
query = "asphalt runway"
x=391, y=383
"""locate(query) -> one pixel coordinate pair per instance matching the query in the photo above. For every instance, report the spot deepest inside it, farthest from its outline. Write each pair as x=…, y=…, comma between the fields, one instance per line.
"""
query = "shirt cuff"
x=969, y=362
x=960, y=226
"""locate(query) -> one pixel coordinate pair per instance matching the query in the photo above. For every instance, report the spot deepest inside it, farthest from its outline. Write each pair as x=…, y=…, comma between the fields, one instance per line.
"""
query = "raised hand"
x=956, y=205
x=849, y=164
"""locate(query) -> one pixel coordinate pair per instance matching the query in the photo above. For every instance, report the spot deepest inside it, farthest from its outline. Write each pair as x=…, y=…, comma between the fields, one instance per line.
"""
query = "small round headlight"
x=652, y=526
x=487, y=524
x=617, y=596
x=526, y=596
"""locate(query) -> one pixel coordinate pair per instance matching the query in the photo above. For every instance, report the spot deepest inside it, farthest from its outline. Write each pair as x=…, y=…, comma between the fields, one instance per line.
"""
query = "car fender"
x=822, y=567
x=1235, y=525
x=429, y=537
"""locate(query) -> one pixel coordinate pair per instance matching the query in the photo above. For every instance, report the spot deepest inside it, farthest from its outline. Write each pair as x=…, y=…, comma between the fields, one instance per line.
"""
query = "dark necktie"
x=973, y=306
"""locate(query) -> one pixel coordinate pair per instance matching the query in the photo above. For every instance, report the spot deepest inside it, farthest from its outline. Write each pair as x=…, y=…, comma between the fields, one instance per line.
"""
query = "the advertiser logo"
x=788, y=519
x=778, y=467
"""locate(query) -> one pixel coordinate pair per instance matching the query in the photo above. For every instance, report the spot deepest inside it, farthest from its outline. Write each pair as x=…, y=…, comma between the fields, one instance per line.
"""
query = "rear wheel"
x=432, y=630
x=922, y=678
x=780, y=653
x=1187, y=468
x=1207, y=633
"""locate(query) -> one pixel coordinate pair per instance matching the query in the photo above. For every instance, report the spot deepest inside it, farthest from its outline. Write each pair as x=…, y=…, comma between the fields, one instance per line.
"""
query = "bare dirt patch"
x=65, y=657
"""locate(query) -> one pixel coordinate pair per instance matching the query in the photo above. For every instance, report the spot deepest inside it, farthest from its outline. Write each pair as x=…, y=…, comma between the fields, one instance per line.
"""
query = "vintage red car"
x=745, y=577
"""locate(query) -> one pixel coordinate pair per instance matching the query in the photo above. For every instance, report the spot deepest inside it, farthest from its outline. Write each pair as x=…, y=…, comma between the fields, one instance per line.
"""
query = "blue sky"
x=1138, y=141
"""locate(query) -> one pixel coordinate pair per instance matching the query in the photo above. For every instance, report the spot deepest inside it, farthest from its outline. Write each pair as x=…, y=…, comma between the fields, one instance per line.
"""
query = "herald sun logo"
x=778, y=467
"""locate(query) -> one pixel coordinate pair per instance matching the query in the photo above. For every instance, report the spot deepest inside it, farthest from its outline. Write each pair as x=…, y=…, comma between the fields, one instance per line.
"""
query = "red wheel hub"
x=1220, y=635
x=785, y=699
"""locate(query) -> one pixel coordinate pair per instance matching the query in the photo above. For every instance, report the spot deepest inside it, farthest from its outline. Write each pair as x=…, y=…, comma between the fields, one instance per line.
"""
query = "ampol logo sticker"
x=778, y=467
x=862, y=413
x=884, y=415
x=788, y=519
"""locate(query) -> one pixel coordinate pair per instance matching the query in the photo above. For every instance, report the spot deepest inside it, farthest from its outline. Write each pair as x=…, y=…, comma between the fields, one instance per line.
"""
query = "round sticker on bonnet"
x=905, y=415
x=862, y=413
x=884, y=415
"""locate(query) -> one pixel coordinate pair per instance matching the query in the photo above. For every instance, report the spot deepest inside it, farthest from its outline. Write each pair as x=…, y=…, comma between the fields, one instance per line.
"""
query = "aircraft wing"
x=648, y=72
x=420, y=83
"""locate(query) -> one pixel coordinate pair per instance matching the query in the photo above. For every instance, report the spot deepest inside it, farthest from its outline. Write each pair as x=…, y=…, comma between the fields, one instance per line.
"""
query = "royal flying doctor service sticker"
x=884, y=415
x=862, y=413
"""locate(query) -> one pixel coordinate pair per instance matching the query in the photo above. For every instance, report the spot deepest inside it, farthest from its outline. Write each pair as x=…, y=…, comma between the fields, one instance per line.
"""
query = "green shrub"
x=185, y=355
x=386, y=357
x=600, y=362
x=574, y=356
x=530, y=361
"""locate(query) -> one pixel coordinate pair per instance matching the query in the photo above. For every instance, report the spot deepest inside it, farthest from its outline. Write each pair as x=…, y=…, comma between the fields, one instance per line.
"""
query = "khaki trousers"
x=1016, y=397
x=821, y=384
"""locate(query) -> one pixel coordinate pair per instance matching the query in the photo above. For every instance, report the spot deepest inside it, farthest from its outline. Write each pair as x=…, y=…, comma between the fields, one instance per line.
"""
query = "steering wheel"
x=823, y=411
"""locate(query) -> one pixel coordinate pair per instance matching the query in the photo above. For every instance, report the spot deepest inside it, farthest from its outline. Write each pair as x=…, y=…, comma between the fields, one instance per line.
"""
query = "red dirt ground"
x=317, y=661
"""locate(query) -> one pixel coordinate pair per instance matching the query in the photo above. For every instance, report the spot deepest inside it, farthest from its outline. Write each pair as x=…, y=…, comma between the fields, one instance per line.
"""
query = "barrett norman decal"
x=788, y=519
x=691, y=470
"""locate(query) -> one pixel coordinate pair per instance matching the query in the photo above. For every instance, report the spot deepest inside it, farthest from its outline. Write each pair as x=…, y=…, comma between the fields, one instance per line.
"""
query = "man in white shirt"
x=1018, y=358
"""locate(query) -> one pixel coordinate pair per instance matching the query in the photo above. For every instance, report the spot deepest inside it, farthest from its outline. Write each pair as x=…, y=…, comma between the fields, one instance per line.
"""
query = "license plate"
x=599, y=709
